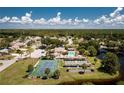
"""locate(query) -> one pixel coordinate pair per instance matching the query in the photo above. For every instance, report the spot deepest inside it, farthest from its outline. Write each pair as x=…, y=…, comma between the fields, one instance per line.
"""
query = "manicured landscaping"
x=16, y=72
x=95, y=63
x=18, y=75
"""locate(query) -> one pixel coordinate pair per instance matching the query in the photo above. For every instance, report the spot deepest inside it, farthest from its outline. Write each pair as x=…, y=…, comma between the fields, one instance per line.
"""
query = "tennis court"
x=42, y=65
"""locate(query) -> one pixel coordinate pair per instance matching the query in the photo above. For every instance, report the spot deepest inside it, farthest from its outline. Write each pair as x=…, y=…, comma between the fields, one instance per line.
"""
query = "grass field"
x=14, y=75
x=96, y=64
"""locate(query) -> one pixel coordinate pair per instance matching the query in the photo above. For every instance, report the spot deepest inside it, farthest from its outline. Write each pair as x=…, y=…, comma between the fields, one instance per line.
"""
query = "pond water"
x=121, y=60
x=101, y=81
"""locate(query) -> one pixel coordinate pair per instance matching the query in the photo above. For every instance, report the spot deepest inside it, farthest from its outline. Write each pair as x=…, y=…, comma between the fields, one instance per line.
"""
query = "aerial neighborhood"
x=58, y=58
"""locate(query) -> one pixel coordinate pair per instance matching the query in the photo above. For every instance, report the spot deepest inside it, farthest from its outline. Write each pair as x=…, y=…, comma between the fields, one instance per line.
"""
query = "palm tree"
x=56, y=74
x=30, y=68
x=19, y=52
x=30, y=50
x=47, y=71
x=84, y=67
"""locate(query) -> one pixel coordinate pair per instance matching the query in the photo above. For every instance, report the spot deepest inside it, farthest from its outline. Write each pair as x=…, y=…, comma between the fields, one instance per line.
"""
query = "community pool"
x=71, y=53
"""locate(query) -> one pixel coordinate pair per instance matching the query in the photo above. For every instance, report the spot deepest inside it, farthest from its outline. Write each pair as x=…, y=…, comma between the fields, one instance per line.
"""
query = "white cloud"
x=55, y=20
x=120, y=18
x=66, y=21
x=77, y=21
x=116, y=12
x=102, y=20
x=85, y=20
x=28, y=14
x=58, y=14
x=15, y=20
x=27, y=18
x=4, y=19
x=113, y=19
x=41, y=21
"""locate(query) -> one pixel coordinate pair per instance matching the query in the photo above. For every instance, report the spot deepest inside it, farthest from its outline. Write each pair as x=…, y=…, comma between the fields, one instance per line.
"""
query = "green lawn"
x=97, y=64
x=15, y=73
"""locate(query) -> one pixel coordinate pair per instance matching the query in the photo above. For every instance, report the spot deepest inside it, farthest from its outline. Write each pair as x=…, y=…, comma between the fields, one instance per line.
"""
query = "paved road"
x=7, y=63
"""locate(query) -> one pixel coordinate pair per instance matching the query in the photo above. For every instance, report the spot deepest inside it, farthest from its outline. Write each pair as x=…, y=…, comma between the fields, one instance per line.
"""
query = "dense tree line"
x=86, y=33
x=52, y=42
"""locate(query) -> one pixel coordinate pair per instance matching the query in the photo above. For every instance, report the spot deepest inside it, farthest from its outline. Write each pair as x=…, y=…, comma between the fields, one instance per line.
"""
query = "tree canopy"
x=110, y=63
x=92, y=50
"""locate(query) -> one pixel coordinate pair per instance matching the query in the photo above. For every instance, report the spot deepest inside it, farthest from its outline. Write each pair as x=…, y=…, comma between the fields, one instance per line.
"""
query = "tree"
x=30, y=50
x=4, y=43
x=86, y=53
x=20, y=52
x=95, y=60
x=1, y=64
x=121, y=47
x=92, y=50
x=94, y=43
x=110, y=63
x=47, y=71
x=30, y=68
x=56, y=74
x=84, y=67
x=81, y=51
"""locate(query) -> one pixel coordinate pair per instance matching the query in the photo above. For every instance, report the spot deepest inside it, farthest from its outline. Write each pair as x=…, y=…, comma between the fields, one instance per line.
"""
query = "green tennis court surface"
x=42, y=65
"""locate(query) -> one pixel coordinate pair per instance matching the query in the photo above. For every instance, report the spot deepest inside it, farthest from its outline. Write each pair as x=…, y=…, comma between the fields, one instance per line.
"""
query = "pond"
x=121, y=61
x=101, y=81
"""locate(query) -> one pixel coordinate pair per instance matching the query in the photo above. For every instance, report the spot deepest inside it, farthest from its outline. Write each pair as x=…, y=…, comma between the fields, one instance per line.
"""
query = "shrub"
x=26, y=76
x=30, y=68
x=81, y=72
x=56, y=74
x=120, y=83
x=92, y=70
x=67, y=70
x=38, y=76
x=44, y=77
x=47, y=71
x=1, y=64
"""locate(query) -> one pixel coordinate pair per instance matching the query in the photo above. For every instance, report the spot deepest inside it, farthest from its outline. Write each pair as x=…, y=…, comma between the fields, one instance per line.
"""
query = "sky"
x=61, y=18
